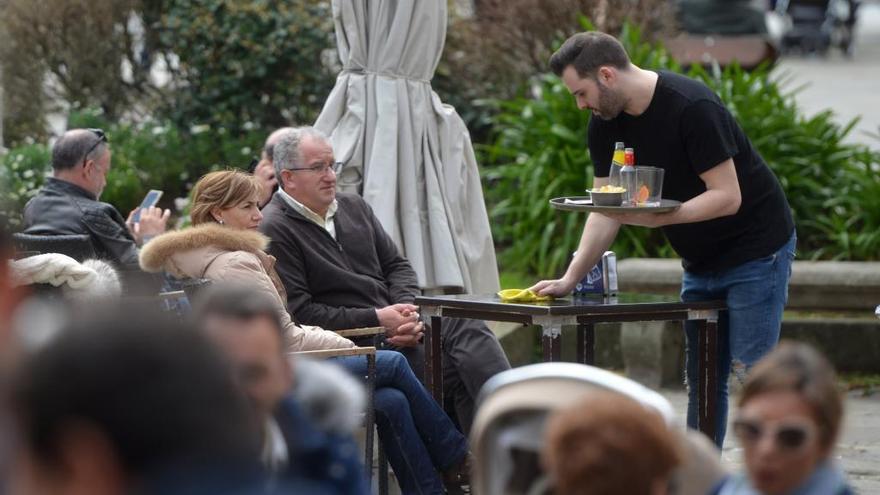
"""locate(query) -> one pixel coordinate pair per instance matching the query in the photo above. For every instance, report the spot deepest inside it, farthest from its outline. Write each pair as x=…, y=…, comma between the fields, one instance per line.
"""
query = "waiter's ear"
x=606, y=75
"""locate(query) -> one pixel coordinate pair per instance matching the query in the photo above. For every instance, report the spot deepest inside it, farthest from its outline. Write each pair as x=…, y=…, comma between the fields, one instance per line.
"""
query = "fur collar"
x=156, y=253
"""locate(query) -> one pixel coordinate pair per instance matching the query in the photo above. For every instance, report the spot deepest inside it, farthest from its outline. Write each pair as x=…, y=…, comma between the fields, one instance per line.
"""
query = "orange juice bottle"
x=617, y=161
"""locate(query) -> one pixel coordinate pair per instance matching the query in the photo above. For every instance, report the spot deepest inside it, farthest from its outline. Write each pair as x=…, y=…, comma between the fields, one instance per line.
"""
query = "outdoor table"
x=584, y=312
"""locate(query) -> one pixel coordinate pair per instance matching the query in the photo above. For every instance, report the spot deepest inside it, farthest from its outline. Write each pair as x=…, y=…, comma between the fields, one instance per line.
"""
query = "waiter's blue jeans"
x=756, y=293
x=418, y=436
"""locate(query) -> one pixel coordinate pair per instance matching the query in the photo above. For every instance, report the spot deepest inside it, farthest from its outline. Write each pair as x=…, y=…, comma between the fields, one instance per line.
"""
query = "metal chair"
x=78, y=247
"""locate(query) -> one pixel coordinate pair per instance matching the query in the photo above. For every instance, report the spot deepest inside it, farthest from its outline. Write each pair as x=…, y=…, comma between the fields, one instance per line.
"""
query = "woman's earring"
x=220, y=221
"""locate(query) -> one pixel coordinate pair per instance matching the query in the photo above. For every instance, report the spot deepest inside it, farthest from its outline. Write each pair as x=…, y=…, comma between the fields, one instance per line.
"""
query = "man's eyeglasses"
x=102, y=138
x=788, y=436
x=321, y=168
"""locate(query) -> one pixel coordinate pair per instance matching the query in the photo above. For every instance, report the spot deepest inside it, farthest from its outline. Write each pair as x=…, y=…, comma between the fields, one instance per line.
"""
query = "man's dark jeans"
x=418, y=436
x=471, y=355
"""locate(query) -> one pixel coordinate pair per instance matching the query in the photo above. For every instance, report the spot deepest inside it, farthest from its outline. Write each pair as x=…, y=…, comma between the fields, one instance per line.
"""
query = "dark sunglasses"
x=102, y=138
x=787, y=436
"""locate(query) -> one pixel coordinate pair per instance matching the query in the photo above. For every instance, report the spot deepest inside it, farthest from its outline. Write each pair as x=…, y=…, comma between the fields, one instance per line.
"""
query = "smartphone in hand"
x=150, y=199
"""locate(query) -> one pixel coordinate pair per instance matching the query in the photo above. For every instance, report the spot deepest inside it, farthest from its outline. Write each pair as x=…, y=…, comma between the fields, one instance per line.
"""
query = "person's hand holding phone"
x=153, y=222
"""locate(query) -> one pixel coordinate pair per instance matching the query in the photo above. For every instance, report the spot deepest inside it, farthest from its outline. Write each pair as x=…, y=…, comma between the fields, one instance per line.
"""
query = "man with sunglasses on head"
x=342, y=270
x=68, y=202
x=264, y=168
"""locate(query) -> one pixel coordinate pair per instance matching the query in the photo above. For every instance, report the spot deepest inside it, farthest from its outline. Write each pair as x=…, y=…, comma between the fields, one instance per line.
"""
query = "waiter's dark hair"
x=586, y=52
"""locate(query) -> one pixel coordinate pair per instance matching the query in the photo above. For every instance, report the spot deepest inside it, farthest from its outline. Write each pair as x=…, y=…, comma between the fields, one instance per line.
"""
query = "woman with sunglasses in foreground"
x=790, y=414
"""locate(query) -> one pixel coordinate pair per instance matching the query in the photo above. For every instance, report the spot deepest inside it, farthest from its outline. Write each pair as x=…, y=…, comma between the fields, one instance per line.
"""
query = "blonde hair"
x=223, y=189
x=797, y=367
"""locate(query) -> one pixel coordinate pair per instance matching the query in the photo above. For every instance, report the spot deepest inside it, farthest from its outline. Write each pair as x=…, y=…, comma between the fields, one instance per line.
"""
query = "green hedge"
x=151, y=155
x=539, y=152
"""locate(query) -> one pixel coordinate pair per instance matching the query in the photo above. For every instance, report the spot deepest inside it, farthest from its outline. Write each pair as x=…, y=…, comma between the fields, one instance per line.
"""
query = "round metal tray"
x=583, y=204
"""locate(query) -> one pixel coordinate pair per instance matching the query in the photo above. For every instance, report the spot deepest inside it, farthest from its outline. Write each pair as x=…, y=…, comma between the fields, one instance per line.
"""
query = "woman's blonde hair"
x=223, y=189
x=797, y=367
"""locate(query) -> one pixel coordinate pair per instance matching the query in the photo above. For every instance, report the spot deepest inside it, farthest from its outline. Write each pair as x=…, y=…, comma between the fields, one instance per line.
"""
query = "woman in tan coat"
x=423, y=446
x=224, y=246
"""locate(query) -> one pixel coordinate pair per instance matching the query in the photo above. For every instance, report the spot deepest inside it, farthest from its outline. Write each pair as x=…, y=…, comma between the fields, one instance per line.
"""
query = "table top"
x=592, y=304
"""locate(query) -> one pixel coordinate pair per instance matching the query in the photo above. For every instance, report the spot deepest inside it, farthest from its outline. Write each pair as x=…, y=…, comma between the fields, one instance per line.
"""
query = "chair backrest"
x=507, y=435
x=78, y=247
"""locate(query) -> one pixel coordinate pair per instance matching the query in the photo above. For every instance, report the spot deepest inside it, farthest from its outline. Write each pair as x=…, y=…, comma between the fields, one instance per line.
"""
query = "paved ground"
x=848, y=86
x=858, y=450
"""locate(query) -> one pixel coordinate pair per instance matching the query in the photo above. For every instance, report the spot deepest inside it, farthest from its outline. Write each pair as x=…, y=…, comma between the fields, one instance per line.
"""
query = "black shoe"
x=457, y=479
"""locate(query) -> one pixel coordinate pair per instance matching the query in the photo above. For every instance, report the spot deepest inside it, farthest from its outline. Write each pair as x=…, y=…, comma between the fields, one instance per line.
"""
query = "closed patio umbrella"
x=408, y=154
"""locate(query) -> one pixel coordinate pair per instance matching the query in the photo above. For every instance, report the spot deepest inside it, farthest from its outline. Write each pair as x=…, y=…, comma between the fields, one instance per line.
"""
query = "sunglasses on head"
x=102, y=138
x=788, y=436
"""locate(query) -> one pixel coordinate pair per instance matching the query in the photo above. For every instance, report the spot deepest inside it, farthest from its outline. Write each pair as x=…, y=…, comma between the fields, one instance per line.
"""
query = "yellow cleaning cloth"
x=521, y=295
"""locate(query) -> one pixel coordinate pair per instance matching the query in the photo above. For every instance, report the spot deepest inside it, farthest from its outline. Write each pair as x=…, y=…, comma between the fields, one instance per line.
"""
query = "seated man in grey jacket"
x=68, y=202
x=342, y=270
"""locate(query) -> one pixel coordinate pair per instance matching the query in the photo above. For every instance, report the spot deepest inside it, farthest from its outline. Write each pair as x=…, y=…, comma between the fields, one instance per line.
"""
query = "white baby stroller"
x=508, y=430
x=813, y=26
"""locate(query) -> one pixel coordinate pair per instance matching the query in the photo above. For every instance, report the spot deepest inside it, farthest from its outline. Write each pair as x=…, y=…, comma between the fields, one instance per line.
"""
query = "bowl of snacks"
x=607, y=195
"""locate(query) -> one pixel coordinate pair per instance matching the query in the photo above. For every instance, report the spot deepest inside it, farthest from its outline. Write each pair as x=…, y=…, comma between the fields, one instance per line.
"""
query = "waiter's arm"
x=721, y=198
x=599, y=233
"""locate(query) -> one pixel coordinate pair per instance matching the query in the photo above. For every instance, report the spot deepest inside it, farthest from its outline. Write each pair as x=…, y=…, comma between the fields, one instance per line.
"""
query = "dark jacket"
x=325, y=458
x=337, y=284
x=65, y=208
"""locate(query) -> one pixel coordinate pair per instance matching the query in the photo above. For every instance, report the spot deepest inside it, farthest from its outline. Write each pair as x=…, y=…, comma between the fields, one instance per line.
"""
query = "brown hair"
x=797, y=367
x=608, y=444
x=223, y=189
x=586, y=52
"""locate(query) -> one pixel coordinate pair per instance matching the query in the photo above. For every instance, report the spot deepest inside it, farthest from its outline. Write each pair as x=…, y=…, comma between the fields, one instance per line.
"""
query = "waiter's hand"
x=557, y=288
x=651, y=220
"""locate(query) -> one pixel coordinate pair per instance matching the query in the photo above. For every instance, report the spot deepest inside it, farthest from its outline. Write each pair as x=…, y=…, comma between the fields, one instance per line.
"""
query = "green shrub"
x=539, y=152
x=264, y=62
x=150, y=155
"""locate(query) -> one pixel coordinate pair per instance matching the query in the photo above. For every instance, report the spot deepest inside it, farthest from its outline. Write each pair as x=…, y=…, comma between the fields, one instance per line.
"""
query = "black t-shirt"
x=687, y=130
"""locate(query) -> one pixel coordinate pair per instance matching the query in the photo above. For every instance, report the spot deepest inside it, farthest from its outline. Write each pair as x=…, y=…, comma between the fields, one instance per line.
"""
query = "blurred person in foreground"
x=125, y=402
x=224, y=246
x=9, y=295
x=608, y=444
x=734, y=229
x=69, y=202
x=342, y=270
x=789, y=419
x=9, y=300
x=245, y=326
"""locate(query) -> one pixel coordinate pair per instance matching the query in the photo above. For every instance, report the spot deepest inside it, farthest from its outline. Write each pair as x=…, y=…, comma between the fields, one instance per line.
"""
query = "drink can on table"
x=601, y=279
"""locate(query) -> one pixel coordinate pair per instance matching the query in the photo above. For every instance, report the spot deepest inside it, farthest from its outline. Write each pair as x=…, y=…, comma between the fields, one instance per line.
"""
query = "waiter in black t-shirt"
x=734, y=230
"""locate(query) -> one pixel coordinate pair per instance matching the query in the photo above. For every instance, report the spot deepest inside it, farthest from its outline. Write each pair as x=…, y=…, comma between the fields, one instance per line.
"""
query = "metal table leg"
x=586, y=343
x=707, y=365
x=434, y=360
x=370, y=419
x=551, y=338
